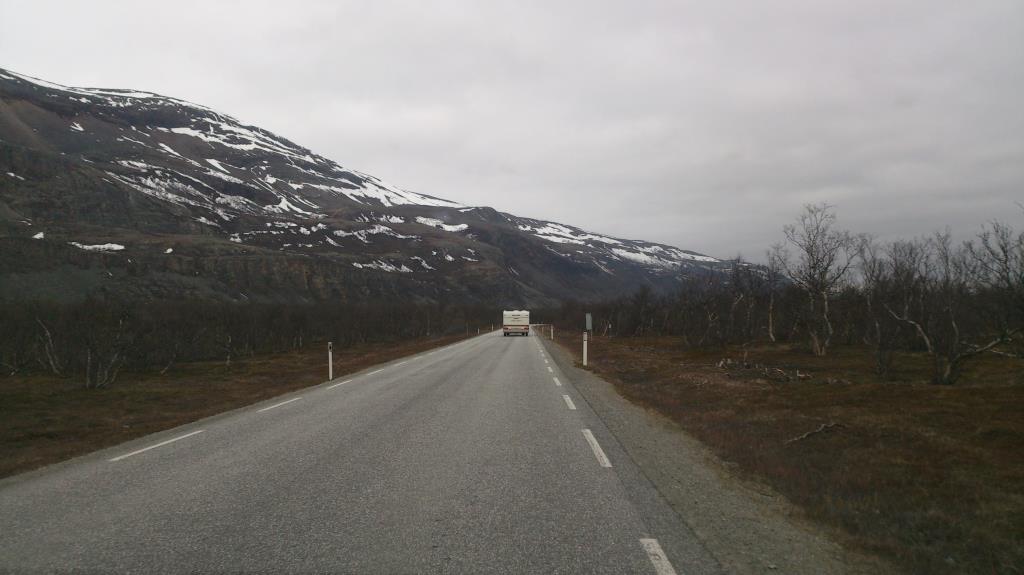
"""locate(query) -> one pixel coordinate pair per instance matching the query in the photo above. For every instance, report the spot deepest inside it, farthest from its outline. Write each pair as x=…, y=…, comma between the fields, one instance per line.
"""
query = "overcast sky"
x=702, y=124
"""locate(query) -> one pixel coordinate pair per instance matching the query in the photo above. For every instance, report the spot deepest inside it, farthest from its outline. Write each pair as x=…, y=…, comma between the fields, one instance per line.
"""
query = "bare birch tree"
x=823, y=258
x=935, y=280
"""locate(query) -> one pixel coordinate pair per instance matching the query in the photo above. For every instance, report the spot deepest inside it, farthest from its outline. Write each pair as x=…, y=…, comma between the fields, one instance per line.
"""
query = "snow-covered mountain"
x=131, y=178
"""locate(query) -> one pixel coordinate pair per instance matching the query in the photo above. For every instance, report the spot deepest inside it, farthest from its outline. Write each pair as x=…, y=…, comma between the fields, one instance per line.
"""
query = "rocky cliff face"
x=137, y=195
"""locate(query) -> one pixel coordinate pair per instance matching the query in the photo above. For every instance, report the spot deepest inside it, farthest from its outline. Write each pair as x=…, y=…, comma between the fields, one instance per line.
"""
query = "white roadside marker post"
x=330, y=360
x=552, y=332
x=589, y=327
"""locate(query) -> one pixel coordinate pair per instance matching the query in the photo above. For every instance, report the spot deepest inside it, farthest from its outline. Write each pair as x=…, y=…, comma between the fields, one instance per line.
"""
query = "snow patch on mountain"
x=649, y=255
x=383, y=266
x=98, y=247
x=423, y=263
x=285, y=206
x=434, y=223
x=363, y=235
x=560, y=234
x=383, y=218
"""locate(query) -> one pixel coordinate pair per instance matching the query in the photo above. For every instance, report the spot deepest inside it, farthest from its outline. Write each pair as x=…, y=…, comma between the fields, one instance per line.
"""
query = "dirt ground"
x=929, y=478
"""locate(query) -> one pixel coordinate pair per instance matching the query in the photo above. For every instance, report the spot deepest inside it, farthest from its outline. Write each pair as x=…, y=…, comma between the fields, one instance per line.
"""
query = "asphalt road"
x=479, y=457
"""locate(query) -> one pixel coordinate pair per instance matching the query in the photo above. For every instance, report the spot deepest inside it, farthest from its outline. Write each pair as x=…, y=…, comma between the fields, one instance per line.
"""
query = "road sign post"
x=330, y=360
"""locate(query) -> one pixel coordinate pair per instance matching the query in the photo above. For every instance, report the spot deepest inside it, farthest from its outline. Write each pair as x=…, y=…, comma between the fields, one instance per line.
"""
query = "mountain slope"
x=133, y=194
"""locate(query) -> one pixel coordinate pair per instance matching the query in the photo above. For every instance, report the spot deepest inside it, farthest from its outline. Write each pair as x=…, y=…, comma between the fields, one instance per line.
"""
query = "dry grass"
x=932, y=477
x=48, y=419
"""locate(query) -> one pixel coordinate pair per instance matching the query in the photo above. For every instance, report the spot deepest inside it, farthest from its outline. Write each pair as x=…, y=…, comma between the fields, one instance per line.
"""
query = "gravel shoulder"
x=746, y=526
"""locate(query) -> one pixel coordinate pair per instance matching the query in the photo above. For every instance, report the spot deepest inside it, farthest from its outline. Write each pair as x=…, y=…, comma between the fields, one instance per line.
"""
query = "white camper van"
x=515, y=322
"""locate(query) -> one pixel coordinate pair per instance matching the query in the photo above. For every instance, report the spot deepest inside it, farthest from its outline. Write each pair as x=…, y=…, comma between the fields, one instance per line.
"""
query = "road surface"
x=479, y=457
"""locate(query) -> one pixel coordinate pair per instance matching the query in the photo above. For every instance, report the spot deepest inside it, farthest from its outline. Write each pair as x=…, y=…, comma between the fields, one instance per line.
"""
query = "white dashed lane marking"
x=279, y=404
x=596, y=447
x=662, y=566
x=161, y=444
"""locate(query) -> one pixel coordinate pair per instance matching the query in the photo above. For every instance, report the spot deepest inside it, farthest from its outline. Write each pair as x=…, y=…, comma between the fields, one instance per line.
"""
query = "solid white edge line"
x=662, y=566
x=596, y=448
x=377, y=371
x=337, y=384
x=557, y=382
x=401, y=363
x=161, y=444
x=278, y=404
x=569, y=403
